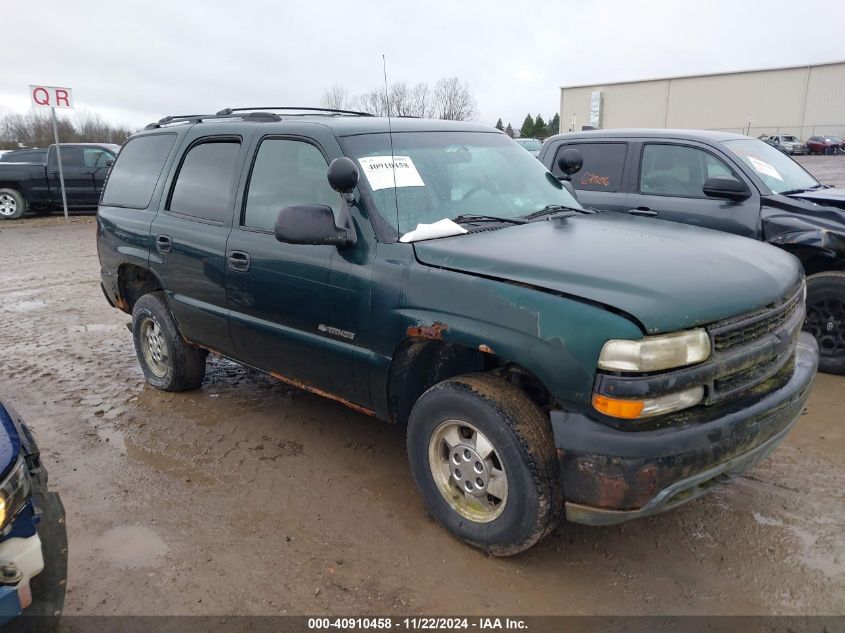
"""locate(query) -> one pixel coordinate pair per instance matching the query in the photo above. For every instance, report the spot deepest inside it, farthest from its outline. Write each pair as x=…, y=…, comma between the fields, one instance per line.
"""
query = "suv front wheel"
x=483, y=457
x=168, y=361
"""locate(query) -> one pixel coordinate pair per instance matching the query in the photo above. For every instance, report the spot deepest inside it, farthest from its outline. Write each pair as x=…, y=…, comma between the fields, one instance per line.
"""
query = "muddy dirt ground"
x=251, y=497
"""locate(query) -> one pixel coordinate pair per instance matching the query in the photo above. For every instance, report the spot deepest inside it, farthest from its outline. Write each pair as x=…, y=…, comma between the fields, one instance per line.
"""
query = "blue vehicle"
x=33, y=535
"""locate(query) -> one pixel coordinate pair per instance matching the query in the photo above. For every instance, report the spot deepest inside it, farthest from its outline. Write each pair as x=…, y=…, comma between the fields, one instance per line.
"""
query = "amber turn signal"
x=628, y=409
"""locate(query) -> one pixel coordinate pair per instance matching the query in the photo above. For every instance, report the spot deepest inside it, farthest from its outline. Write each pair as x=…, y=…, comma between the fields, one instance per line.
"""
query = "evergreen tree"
x=527, y=129
x=509, y=130
x=554, y=125
x=499, y=125
x=540, y=130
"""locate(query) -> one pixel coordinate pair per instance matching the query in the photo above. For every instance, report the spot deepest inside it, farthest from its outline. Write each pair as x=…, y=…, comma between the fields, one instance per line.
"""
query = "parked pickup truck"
x=35, y=186
x=728, y=182
x=543, y=358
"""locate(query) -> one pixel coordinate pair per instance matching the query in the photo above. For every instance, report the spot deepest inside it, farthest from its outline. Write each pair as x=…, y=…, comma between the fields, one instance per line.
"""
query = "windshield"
x=530, y=144
x=440, y=175
x=776, y=169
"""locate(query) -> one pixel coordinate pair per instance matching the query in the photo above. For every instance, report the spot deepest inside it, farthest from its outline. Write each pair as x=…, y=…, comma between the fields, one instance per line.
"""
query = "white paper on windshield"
x=762, y=167
x=381, y=171
x=441, y=228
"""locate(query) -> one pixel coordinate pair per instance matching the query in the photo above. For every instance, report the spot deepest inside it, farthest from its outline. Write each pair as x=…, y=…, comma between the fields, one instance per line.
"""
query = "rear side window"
x=602, y=168
x=204, y=186
x=285, y=173
x=71, y=156
x=135, y=173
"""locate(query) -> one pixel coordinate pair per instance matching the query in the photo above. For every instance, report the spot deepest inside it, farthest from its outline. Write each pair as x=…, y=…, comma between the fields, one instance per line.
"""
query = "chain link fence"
x=803, y=132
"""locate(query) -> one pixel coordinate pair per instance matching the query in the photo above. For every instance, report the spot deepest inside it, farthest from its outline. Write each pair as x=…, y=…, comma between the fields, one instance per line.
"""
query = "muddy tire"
x=483, y=457
x=12, y=204
x=826, y=319
x=168, y=361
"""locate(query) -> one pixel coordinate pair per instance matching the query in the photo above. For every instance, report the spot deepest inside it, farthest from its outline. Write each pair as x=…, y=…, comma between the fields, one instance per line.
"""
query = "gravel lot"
x=252, y=497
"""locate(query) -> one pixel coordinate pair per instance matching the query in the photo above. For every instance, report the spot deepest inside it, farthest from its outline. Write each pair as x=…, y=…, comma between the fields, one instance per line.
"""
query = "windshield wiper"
x=472, y=217
x=789, y=192
x=554, y=210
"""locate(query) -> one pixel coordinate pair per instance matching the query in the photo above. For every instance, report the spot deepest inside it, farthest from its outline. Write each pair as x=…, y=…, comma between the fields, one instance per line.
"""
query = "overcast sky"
x=138, y=61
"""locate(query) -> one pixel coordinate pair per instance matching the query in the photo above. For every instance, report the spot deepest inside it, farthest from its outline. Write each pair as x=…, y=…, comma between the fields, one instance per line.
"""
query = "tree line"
x=532, y=128
x=449, y=98
x=35, y=129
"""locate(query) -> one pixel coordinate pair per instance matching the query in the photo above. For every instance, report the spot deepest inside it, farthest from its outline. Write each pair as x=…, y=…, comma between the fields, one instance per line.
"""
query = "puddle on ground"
x=165, y=464
x=132, y=546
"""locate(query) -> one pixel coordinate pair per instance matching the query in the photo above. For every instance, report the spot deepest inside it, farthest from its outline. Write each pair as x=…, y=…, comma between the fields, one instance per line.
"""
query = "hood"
x=833, y=196
x=666, y=275
x=800, y=221
x=9, y=441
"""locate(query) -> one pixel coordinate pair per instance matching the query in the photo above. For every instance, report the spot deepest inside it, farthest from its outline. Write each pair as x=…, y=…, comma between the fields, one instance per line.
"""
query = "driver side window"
x=678, y=170
x=286, y=172
x=96, y=157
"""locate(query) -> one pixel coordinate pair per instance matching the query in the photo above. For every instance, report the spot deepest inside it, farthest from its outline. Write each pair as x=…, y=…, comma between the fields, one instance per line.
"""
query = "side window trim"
x=638, y=168
x=219, y=138
x=241, y=210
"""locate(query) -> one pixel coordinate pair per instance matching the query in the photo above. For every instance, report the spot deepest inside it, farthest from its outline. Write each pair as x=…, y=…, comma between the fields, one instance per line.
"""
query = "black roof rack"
x=251, y=114
x=225, y=111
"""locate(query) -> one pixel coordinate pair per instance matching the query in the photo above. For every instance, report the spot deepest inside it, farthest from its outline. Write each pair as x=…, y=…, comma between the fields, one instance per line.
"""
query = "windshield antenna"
x=390, y=134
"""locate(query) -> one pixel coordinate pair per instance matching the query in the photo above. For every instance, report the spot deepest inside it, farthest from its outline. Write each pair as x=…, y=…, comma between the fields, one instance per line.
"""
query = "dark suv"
x=434, y=274
x=728, y=182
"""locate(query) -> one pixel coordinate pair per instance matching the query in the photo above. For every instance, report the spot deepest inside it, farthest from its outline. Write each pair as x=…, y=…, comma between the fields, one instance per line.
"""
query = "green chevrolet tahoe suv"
x=546, y=360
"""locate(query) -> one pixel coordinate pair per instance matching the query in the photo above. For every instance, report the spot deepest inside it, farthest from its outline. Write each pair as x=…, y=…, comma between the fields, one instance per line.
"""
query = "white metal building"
x=801, y=100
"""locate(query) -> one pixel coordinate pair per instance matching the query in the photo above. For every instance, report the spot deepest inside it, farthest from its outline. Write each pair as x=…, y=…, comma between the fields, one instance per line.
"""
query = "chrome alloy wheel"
x=154, y=347
x=468, y=471
x=8, y=205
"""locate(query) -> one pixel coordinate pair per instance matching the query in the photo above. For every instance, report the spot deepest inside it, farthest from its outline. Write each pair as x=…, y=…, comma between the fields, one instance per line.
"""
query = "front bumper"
x=41, y=560
x=610, y=475
x=27, y=556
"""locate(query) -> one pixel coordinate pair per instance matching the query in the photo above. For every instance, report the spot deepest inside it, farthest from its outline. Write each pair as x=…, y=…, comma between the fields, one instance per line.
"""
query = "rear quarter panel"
x=123, y=233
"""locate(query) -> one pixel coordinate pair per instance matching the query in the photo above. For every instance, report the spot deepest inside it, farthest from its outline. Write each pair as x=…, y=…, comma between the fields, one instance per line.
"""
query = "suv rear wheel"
x=826, y=318
x=483, y=457
x=168, y=361
x=12, y=204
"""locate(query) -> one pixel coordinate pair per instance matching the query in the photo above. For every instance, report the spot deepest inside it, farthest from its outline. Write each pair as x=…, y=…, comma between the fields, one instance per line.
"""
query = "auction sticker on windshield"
x=763, y=168
x=382, y=170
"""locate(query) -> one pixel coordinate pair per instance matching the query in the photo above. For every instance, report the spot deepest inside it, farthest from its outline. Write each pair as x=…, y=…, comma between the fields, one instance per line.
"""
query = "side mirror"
x=726, y=188
x=312, y=224
x=110, y=162
x=343, y=175
x=570, y=161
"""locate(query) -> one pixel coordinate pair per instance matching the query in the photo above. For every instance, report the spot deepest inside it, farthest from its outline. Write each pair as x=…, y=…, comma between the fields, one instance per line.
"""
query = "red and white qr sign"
x=51, y=97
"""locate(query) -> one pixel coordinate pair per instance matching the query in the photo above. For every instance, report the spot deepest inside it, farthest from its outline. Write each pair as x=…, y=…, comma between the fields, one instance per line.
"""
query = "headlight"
x=655, y=353
x=14, y=491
